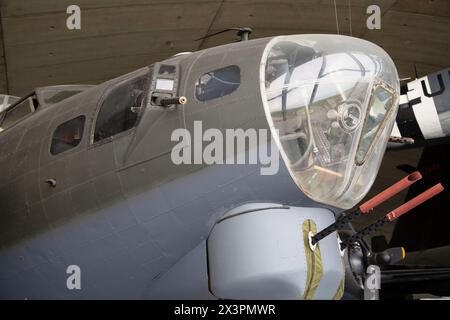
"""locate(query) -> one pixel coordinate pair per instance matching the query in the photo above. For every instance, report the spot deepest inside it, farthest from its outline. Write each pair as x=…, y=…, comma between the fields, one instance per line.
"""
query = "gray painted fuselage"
x=121, y=210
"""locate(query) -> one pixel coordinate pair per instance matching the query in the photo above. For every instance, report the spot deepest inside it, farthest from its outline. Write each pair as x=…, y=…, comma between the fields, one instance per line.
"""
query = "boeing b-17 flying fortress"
x=231, y=172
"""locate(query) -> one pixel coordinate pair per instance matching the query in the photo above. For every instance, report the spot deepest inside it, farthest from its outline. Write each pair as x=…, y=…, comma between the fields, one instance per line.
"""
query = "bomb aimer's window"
x=218, y=83
x=67, y=135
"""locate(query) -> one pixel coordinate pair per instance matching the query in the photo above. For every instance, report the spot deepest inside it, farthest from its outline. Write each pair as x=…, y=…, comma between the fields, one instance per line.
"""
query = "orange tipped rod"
x=390, y=192
x=394, y=214
x=368, y=205
x=411, y=204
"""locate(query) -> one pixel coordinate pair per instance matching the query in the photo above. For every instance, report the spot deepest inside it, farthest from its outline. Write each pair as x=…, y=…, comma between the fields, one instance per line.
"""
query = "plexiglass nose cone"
x=331, y=102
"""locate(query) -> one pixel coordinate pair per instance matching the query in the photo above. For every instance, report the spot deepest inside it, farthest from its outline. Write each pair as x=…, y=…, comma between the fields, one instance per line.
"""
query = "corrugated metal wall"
x=121, y=35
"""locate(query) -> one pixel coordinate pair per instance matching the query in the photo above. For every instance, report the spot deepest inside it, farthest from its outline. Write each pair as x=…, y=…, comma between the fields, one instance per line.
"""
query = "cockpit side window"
x=218, y=83
x=67, y=135
x=121, y=108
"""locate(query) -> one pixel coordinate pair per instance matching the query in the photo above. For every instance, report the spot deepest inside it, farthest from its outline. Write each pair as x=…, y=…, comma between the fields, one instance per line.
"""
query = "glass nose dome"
x=331, y=102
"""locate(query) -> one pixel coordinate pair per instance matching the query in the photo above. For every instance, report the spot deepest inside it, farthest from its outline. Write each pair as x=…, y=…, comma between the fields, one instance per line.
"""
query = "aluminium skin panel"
x=122, y=213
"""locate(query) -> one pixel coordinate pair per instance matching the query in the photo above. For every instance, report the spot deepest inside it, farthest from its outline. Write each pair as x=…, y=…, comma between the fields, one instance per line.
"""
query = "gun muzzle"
x=368, y=205
x=390, y=192
x=165, y=102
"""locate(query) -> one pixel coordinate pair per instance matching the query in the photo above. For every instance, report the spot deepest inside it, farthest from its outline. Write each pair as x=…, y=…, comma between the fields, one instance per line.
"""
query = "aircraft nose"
x=328, y=100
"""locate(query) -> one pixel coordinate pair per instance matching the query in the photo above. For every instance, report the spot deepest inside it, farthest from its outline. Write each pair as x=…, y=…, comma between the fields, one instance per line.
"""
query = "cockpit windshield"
x=6, y=101
x=54, y=94
x=11, y=115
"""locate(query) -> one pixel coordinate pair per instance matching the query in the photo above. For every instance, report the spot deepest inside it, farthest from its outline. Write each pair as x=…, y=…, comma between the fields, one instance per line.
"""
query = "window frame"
x=92, y=144
x=381, y=126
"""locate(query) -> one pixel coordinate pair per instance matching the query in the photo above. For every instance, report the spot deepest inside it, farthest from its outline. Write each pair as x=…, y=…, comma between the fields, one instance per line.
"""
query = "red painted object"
x=414, y=202
x=390, y=192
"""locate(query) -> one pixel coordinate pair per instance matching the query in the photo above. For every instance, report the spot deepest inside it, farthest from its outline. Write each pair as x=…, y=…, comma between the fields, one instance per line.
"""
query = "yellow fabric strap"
x=340, y=290
x=313, y=261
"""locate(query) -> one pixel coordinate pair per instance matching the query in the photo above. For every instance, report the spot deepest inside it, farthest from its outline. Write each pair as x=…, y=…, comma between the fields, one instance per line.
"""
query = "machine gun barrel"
x=394, y=214
x=368, y=206
x=165, y=102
